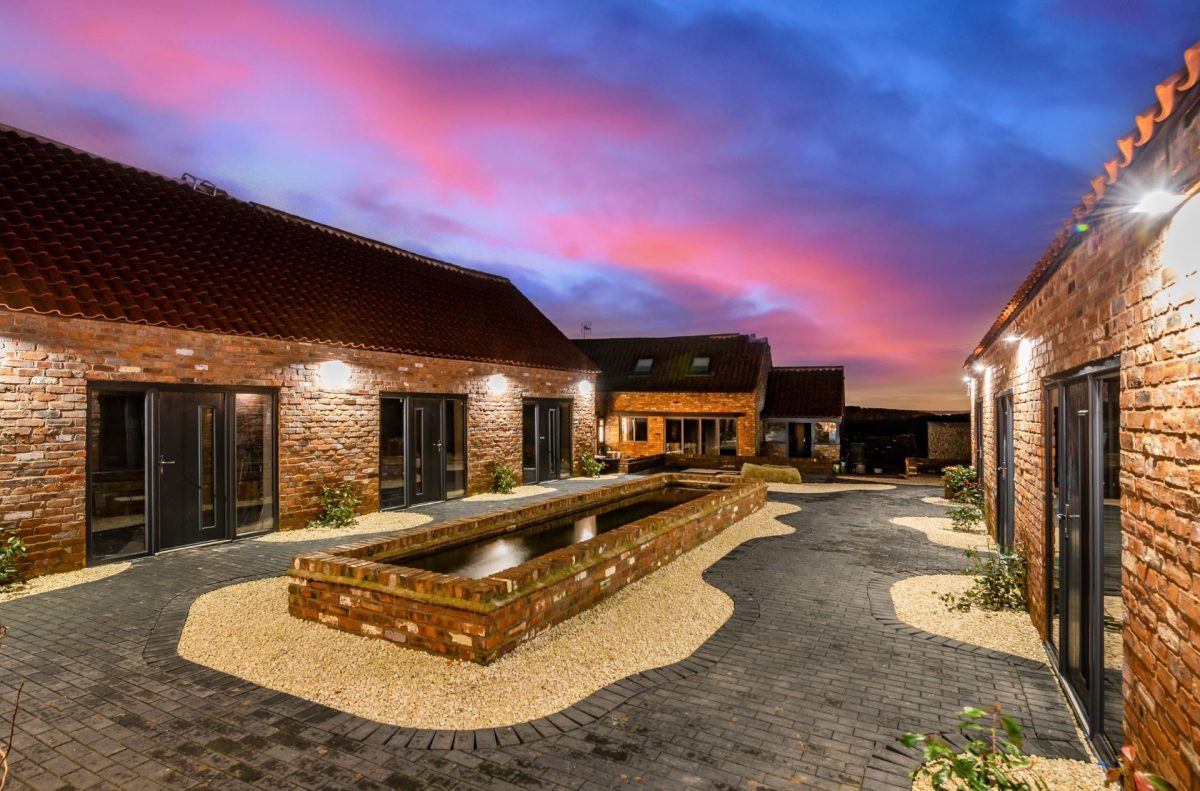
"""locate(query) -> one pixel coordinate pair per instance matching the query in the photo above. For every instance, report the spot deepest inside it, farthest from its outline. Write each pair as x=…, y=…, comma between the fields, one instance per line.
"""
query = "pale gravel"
x=826, y=488
x=516, y=494
x=917, y=603
x=938, y=529
x=67, y=579
x=245, y=630
x=937, y=501
x=378, y=522
x=1059, y=774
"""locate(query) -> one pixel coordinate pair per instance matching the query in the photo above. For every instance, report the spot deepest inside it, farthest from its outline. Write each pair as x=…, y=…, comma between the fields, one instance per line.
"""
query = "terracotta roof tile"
x=806, y=391
x=83, y=236
x=736, y=361
x=1169, y=95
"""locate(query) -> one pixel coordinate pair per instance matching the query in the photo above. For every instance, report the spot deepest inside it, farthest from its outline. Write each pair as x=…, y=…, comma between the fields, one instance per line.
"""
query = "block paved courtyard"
x=807, y=686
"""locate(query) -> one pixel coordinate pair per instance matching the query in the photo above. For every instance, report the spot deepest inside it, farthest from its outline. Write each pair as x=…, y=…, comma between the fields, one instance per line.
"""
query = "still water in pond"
x=481, y=558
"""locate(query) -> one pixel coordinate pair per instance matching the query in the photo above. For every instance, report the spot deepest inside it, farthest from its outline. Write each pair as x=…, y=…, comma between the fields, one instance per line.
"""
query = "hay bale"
x=771, y=473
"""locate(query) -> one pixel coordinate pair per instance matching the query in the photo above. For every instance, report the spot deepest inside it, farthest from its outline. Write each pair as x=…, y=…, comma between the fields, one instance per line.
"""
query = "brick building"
x=177, y=366
x=1086, y=425
x=713, y=395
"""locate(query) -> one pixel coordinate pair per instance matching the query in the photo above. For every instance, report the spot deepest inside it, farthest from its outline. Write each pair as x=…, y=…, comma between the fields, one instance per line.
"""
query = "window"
x=700, y=365
x=643, y=366
x=635, y=429
x=694, y=436
x=825, y=433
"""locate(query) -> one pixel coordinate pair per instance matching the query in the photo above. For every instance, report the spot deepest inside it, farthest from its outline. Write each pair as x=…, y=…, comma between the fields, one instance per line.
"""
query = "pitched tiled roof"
x=1170, y=95
x=736, y=363
x=86, y=237
x=818, y=391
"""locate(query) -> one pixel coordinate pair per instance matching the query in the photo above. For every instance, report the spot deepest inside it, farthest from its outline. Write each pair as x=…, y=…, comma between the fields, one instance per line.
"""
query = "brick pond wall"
x=480, y=620
x=1130, y=287
x=47, y=363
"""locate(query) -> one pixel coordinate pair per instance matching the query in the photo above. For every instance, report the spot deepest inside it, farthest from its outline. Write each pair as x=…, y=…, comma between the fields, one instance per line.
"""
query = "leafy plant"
x=503, y=479
x=338, y=504
x=11, y=552
x=589, y=466
x=990, y=759
x=955, y=479
x=1126, y=769
x=965, y=517
x=1000, y=583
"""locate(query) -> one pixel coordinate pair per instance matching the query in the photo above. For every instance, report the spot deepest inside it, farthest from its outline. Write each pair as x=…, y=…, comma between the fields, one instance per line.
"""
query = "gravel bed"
x=245, y=630
x=378, y=522
x=608, y=476
x=516, y=494
x=53, y=582
x=917, y=604
x=937, y=501
x=826, y=488
x=1059, y=774
x=938, y=530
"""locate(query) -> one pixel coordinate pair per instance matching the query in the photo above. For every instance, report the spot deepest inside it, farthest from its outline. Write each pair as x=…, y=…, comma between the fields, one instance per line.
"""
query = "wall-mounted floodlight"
x=1157, y=202
x=334, y=375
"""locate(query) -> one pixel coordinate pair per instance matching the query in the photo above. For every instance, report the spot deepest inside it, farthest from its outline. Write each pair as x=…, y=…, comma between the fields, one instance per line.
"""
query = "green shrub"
x=965, y=517
x=1000, y=583
x=989, y=760
x=11, y=552
x=337, y=506
x=503, y=479
x=955, y=479
x=589, y=466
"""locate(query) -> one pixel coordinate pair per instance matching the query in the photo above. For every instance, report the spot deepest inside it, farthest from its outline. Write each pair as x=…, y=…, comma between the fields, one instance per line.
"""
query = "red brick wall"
x=46, y=364
x=1123, y=291
x=657, y=405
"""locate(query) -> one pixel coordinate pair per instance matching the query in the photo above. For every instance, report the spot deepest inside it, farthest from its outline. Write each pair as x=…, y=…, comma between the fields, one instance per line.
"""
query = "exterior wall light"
x=1157, y=202
x=979, y=368
x=1012, y=337
x=333, y=375
x=1024, y=354
x=497, y=384
x=585, y=388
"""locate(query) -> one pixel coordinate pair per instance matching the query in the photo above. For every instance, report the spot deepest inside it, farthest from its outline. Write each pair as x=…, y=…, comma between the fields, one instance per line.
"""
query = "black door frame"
x=151, y=449
x=1005, y=491
x=564, y=408
x=405, y=397
x=1090, y=713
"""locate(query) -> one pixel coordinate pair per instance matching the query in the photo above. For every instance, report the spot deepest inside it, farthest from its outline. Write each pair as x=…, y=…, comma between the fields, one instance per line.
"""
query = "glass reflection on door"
x=391, y=453
x=254, y=461
x=1113, y=615
x=117, y=472
x=456, y=447
x=529, y=450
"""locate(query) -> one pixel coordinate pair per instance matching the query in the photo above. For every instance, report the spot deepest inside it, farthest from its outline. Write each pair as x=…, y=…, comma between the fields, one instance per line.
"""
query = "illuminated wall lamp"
x=979, y=368
x=1157, y=202
x=333, y=375
x=497, y=384
x=585, y=388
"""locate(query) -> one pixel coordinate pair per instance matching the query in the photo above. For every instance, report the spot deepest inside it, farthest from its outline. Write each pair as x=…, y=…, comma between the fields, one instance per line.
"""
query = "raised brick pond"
x=378, y=588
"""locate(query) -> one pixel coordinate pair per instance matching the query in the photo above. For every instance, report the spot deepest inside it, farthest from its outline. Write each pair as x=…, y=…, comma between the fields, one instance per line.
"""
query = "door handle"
x=162, y=462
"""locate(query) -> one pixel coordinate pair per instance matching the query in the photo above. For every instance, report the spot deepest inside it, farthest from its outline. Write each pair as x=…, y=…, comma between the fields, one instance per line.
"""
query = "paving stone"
x=807, y=686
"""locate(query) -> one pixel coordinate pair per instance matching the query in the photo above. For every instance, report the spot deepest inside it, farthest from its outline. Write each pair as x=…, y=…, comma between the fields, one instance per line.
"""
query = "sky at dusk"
x=865, y=183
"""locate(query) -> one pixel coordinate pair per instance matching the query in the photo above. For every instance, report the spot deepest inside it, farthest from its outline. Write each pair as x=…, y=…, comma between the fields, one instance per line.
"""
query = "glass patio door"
x=546, y=440
x=426, y=450
x=1088, y=516
x=1004, y=471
